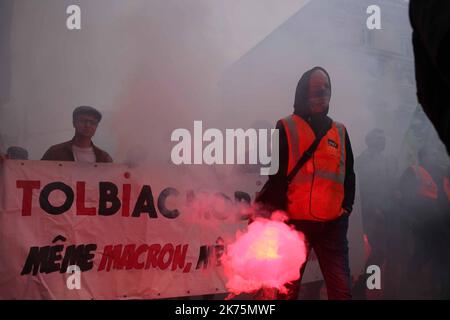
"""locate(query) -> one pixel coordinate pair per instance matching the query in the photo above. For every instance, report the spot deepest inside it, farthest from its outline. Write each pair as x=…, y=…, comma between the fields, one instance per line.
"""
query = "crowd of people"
x=406, y=220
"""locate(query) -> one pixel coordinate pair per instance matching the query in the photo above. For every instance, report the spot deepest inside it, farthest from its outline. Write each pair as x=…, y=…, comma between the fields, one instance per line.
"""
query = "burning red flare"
x=269, y=254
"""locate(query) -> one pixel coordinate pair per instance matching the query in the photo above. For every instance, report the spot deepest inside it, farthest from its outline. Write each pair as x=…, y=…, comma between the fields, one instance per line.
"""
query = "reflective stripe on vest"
x=317, y=191
x=427, y=186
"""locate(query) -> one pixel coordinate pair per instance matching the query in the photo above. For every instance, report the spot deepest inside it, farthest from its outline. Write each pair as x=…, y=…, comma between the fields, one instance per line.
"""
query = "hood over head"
x=301, y=106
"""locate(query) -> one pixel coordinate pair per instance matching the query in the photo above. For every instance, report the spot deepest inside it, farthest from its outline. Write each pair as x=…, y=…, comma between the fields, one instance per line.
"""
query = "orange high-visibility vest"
x=317, y=190
x=427, y=186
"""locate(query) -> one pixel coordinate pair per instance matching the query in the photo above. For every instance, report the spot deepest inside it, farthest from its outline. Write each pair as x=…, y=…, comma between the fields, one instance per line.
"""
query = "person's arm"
x=349, y=182
x=283, y=153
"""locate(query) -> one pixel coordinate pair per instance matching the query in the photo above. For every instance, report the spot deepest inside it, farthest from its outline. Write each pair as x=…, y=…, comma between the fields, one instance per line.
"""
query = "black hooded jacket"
x=430, y=21
x=317, y=122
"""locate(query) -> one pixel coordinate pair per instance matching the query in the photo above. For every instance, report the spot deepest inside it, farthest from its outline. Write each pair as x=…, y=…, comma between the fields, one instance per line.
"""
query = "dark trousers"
x=329, y=241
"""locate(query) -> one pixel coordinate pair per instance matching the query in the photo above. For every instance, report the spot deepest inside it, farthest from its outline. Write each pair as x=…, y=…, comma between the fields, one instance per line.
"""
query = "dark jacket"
x=63, y=152
x=430, y=21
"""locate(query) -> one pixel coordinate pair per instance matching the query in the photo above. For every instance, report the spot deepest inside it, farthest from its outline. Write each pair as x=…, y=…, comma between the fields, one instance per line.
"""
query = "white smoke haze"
x=149, y=66
x=154, y=66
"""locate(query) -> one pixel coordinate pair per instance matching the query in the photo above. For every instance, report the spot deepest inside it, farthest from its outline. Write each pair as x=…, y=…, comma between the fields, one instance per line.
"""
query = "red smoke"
x=269, y=254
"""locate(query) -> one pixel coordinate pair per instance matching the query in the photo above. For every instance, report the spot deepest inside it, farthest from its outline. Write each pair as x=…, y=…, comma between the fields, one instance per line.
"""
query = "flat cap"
x=87, y=110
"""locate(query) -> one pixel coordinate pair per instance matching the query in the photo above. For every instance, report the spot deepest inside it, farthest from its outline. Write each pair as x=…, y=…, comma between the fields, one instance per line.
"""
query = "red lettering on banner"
x=27, y=187
x=81, y=209
x=109, y=194
x=179, y=257
x=152, y=257
x=166, y=250
x=140, y=250
x=127, y=257
x=111, y=256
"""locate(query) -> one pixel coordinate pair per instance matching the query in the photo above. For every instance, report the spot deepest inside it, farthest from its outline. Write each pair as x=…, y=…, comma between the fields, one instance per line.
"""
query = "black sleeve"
x=430, y=21
x=283, y=153
x=349, y=182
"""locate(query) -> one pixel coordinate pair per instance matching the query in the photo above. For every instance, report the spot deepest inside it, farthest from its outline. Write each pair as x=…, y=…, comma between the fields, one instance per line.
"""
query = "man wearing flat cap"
x=80, y=148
